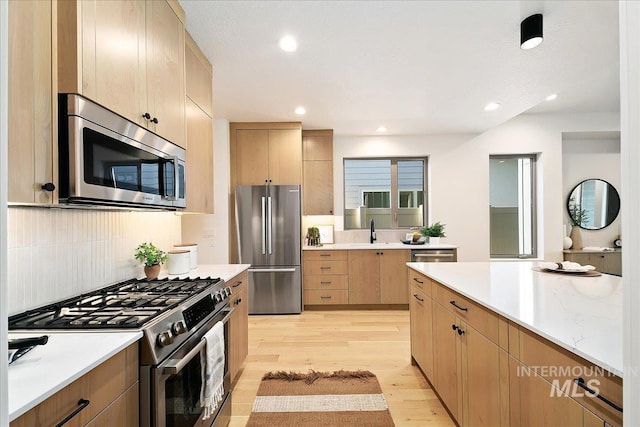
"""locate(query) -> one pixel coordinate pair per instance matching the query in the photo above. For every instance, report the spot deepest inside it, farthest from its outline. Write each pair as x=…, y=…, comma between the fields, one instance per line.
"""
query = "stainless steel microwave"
x=105, y=159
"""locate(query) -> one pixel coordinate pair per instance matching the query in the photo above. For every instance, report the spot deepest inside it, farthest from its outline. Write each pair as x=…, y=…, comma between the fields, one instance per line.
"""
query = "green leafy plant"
x=313, y=233
x=577, y=215
x=435, y=230
x=150, y=255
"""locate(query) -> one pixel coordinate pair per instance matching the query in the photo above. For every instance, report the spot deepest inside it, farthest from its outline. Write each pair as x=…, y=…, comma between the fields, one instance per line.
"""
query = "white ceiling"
x=416, y=67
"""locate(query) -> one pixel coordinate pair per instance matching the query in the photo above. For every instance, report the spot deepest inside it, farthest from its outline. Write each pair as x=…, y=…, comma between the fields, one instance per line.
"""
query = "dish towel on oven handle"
x=212, y=361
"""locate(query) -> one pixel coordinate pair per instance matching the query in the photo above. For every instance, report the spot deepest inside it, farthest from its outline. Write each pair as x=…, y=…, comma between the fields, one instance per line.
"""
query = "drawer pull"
x=325, y=283
x=459, y=307
x=415, y=279
x=418, y=298
x=237, y=284
x=325, y=268
x=82, y=403
x=325, y=254
x=581, y=383
x=325, y=297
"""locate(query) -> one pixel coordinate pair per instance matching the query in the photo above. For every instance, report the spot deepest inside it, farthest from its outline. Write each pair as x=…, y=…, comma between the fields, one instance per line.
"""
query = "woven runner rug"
x=336, y=399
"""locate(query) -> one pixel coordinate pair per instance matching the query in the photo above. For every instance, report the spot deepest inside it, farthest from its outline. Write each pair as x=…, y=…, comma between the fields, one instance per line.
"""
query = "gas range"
x=167, y=311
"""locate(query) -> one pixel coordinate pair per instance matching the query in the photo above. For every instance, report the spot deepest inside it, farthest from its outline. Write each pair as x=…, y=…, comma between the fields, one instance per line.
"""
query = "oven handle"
x=175, y=365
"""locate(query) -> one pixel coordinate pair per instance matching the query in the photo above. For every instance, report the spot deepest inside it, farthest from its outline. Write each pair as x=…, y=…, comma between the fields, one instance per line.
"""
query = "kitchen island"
x=533, y=340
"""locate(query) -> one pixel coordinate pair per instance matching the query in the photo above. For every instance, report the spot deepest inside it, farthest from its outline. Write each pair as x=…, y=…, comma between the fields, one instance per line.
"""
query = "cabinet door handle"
x=82, y=403
x=325, y=268
x=154, y=120
x=146, y=116
x=418, y=298
x=237, y=284
x=454, y=327
x=460, y=331
x=415, y=279
x=325, y=254
x=459, y=307
x=581, y=383
x=325, y=283
x=48, y=186
x=325, y=297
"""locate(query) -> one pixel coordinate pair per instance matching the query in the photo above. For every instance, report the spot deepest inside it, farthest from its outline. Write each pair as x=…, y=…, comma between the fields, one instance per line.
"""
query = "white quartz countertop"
x=580, y=314
x=394, y=245
x=48, y=368
x=224, y=271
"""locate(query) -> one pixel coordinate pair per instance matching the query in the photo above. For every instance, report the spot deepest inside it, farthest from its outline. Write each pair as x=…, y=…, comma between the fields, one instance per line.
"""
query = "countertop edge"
x=525, y=325
x=366, y=246
x=135, y=336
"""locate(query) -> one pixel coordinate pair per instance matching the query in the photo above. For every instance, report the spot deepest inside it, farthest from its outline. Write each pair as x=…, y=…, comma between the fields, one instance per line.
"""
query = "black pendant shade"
x=531, y=31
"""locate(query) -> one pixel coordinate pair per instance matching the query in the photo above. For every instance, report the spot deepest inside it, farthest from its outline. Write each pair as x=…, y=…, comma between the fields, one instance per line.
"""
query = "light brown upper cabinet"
x=32, y=152
x=128, y=56
x=266, y=153
x=317, y=167
x=199, y=130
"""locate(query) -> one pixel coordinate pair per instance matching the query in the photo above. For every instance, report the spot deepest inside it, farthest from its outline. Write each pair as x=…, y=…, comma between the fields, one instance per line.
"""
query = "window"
x=389, y=191
x=512, y=206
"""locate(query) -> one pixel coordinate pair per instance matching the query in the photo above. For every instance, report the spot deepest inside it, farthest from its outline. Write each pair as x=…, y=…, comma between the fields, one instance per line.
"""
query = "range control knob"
x=179, y=327
x=228, y=291
x=218, y=297
x=165, y=338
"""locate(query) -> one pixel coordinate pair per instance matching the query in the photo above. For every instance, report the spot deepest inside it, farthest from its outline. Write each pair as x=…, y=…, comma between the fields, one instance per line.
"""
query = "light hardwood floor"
x=377, y=341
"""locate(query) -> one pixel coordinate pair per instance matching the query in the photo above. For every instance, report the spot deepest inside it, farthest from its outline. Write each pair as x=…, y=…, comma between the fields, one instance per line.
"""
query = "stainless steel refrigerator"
x=268, y=233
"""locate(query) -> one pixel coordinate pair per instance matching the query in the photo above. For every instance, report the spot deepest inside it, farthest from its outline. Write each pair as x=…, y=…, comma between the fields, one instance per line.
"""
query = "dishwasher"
x=434, y=255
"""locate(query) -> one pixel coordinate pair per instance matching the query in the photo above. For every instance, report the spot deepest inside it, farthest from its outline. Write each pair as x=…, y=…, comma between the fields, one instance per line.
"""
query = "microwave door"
x=174, y=181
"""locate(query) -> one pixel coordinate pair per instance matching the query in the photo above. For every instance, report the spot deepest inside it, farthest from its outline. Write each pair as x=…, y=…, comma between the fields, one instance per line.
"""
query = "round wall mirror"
x=593, y=204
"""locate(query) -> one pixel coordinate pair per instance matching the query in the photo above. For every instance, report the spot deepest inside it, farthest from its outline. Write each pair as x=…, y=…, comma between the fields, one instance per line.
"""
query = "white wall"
x=592, y=158
x=210, y=231
x=630, y=154
x=4, y=53
x=58, y=253
x=459, y=174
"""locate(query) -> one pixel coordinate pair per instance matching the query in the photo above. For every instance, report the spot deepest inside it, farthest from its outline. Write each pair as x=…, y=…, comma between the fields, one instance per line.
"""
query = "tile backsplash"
x=58, y=253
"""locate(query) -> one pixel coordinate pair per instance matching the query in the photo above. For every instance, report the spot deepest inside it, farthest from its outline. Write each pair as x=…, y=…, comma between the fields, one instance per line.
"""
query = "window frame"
x=394, y=198
x=534, y=206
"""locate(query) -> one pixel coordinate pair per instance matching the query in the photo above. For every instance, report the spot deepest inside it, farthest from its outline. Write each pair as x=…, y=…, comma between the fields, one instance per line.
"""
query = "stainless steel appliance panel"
x=276, y=290
x=434, y=255
x=251, y=221
x=283, y=225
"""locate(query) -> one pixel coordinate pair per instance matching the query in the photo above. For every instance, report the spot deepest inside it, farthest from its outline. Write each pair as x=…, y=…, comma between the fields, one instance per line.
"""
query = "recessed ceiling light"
x=300, y=111
x=381, y=129
x=288, y=44
x=491, y=106
x=551, y=97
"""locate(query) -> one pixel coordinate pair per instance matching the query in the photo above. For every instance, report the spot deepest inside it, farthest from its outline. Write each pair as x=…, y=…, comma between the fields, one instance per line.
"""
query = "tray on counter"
x=411, y=242
x=590, y=273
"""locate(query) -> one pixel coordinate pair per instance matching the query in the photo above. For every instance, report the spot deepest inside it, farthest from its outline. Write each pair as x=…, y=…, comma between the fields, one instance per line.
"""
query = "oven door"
x=177, y=382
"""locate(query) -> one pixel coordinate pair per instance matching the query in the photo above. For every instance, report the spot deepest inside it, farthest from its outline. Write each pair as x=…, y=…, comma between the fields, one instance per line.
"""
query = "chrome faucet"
x=372, y=236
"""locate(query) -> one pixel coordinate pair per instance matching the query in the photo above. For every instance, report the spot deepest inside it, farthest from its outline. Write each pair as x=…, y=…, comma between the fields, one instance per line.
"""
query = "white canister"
x=178, y=261
x=193, y=249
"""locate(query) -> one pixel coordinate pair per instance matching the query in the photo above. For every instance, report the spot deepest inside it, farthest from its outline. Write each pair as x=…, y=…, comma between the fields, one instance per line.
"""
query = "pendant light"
x=531, y=32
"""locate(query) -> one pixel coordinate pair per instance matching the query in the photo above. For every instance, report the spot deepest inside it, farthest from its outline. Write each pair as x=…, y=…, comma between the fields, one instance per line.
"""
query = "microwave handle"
x=176, y=177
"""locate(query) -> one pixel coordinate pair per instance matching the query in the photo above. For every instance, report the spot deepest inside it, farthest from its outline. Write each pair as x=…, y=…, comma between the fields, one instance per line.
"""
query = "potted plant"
x=313, y=236
x=578, y=218
x=152, y=257
x=434, y=232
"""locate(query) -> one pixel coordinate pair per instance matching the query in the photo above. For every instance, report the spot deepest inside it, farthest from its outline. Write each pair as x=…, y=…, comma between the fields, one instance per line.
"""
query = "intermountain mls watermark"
x=568, y=380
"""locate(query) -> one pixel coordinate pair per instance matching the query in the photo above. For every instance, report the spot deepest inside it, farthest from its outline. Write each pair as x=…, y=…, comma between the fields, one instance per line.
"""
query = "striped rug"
x=341, y=398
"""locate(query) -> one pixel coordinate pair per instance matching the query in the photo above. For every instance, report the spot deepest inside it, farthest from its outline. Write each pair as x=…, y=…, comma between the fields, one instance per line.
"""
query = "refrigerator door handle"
x=264, y=235
x=269, y=218
x=271, y=270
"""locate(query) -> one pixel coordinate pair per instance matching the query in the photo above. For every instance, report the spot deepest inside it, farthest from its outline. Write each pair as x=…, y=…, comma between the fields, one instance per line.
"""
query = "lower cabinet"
x=239, y=323
x=111, y=390
x=360, y=277
x=604, y=262
x=490, y=372
x=421, y=324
